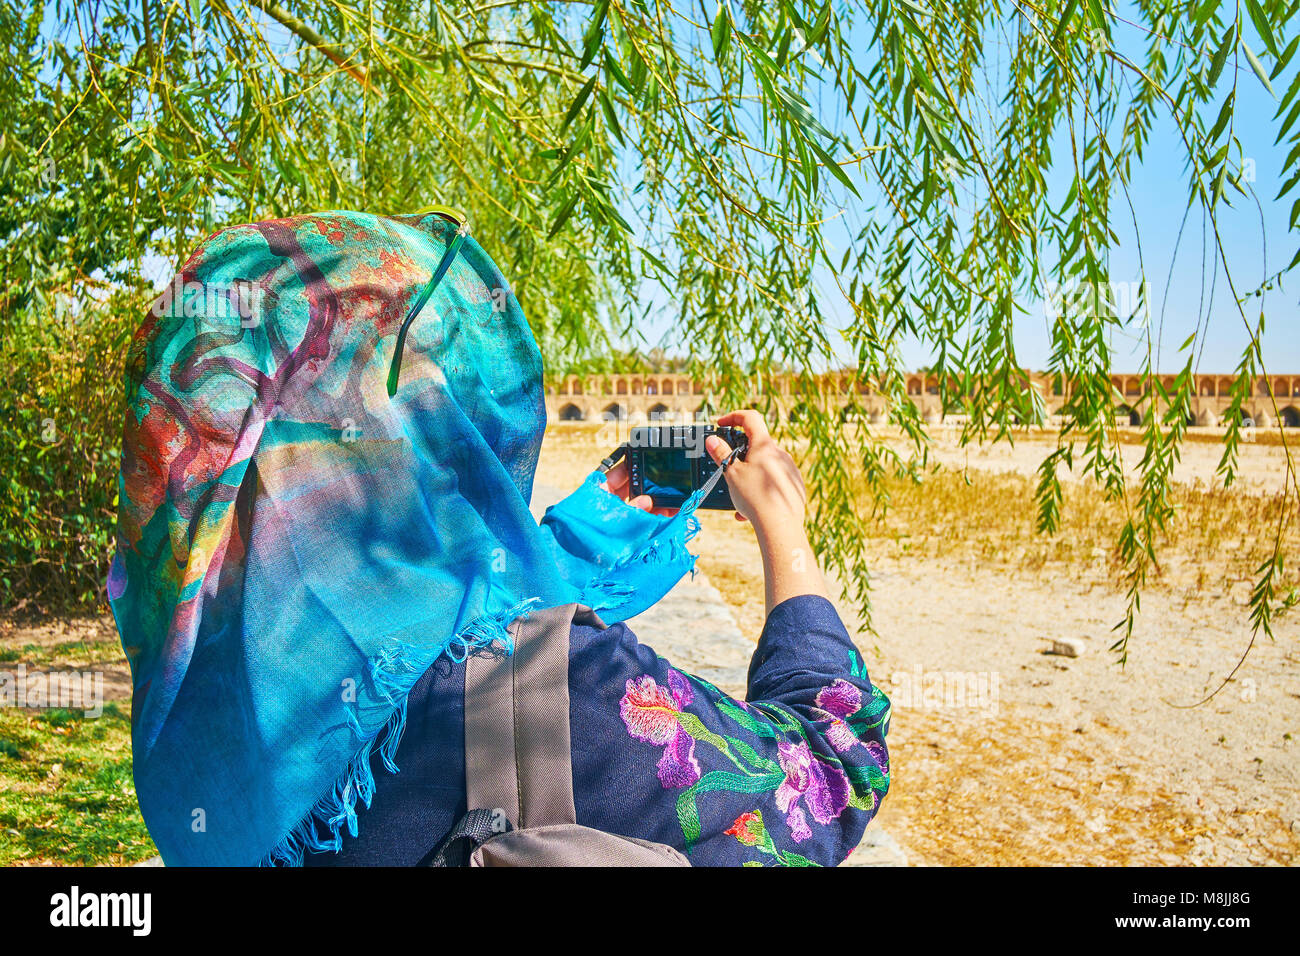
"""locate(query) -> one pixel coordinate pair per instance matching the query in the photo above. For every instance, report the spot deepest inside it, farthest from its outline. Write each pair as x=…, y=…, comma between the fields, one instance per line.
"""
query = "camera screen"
x=667, y=472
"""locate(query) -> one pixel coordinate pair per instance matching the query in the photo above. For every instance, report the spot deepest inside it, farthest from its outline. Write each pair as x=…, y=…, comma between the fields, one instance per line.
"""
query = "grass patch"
x=66, y=790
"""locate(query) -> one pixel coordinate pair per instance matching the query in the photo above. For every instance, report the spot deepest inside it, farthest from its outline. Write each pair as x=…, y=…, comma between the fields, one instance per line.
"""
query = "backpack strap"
x=517, y=755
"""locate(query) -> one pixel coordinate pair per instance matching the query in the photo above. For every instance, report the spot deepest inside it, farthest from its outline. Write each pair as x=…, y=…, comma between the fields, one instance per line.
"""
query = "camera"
x=669, y=463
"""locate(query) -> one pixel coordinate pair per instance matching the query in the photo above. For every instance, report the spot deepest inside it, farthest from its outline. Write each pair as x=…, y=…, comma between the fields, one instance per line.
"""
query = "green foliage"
x=714, y=165
x=60, y=435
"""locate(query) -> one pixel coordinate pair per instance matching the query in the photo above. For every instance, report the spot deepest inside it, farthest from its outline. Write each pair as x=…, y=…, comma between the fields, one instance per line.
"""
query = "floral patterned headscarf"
x=296, y=545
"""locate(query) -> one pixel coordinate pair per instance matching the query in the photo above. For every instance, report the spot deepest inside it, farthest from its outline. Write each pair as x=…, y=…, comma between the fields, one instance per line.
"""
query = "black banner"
x=334, y=906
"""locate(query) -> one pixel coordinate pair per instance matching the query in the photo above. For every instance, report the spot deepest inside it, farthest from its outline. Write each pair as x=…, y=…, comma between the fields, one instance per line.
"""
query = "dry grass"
x=1218, y=538
x=1216, y=542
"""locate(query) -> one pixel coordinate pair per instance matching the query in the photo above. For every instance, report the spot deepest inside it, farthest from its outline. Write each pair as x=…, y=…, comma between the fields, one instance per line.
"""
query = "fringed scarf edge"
x=393, y=672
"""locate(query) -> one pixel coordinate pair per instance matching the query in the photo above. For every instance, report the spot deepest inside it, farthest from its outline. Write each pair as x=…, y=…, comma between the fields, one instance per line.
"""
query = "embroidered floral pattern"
x=807, y=787
x=652, y=713
x=748, y=828
x=835, y=704
x=822, y=787
x=750, y=831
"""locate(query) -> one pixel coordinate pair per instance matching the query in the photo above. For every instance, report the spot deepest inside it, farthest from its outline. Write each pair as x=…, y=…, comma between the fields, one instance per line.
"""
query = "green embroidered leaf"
x=869, y=777
x=754, y=758
x=780, y=719
x=794, y=859
x=688, y=814
x=713, y=691
x=861, y=726
x=857, y=666
x=693, y=726
x=860, y=801
x=747, y=720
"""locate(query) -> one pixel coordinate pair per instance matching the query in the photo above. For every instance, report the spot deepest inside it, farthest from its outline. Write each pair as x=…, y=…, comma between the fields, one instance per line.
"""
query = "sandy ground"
x=1079, y=760
x=1003, y=753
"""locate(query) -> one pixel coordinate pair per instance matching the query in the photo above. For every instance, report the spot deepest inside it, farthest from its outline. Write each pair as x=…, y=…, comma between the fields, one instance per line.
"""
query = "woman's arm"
x=790, y=776
x=768, y=492
x=793, y=774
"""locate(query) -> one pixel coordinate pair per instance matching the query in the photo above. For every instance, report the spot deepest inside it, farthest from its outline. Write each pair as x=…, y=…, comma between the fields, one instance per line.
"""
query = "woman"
x=324, y=512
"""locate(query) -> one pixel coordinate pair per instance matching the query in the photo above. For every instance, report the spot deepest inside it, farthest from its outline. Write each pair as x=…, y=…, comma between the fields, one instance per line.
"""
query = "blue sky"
x=1194, y=294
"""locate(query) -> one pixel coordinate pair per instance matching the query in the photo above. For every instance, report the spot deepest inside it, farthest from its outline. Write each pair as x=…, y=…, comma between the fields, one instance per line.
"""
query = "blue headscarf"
x=295, y=546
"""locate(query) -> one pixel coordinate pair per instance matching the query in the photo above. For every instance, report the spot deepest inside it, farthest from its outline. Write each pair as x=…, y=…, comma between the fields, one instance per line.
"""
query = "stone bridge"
x=673, y=397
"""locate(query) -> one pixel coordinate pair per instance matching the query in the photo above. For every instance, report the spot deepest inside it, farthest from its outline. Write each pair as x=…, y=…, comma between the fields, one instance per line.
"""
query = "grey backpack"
x=518, y=772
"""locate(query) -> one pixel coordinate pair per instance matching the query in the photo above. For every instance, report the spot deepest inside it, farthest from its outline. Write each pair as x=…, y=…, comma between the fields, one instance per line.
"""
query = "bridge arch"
x=571, y=413
x=853, y=412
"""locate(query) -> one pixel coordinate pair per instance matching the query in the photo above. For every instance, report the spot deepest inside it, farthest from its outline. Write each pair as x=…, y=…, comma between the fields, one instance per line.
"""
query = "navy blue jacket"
x=790, y=776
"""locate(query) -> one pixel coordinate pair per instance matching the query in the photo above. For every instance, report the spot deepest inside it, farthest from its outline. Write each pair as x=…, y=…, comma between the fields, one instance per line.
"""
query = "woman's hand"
x=616, y=480
x=766, y=486
x=767, y=489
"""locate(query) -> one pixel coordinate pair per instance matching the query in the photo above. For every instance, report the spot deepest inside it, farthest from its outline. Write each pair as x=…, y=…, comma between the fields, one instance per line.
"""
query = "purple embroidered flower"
x=824, y=789
x=841, y=698
x=650, y=713
x=880, y=755
x=836, y=704
x=681, y=688
x=678, y=766
x=799, y=829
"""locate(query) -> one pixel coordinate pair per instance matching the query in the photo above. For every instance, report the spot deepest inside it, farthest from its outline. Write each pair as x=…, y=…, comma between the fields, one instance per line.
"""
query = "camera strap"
x=613, y=458
x=707, y=488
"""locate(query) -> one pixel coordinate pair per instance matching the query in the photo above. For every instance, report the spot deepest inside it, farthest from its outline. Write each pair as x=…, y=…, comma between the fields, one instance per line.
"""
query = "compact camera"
x=669, y=463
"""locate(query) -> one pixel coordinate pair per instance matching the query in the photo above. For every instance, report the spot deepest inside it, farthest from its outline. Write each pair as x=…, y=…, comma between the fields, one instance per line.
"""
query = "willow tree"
x=716, y=167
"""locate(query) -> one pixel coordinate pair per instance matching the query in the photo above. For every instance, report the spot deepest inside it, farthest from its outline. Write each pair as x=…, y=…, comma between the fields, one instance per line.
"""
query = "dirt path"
x=82, y=643
x=1076, y=760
